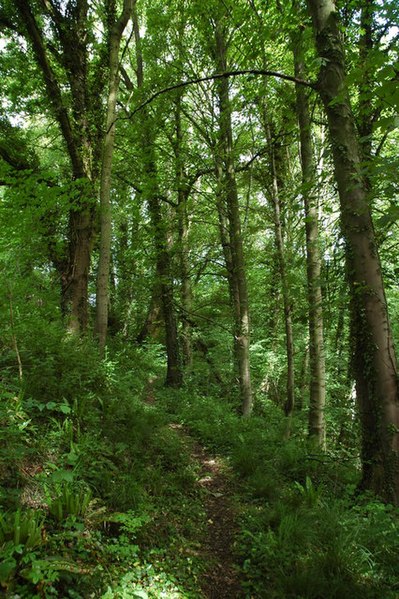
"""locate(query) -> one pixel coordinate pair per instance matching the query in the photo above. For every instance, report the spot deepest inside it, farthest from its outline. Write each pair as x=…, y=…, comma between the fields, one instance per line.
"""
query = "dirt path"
x=221, y=578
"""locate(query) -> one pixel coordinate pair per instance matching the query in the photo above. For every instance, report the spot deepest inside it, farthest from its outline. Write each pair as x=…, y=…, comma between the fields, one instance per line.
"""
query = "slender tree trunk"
x=103, y=274
x=313, y=261
x=174, y=375
x=287, y=303
x=238, y=274
x=153, y=316
x=80, y=240
x=183, y=247
x=279, y=242
x=374, y=359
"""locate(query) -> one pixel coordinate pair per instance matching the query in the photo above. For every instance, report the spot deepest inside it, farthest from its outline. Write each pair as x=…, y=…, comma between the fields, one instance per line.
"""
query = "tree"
x=313, y=261
x=79, y=121
x=103, y=275
x=174, y=375
x=374, y=359
x=229, y=199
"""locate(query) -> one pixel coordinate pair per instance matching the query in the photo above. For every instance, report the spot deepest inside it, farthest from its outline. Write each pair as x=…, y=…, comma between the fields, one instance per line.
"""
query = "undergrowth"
x=99, y=495
x=304, y=532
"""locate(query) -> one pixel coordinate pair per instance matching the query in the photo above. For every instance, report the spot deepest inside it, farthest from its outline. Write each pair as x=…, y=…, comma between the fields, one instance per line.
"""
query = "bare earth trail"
x=221, y=577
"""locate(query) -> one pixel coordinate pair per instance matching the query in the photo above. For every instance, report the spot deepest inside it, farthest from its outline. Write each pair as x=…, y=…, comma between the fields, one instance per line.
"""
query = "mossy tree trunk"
x=274, y=162
x=374, y=359
x=80, y=121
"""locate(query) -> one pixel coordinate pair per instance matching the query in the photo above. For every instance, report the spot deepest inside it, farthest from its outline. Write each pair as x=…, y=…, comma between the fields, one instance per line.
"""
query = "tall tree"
x=103, y=274
x=235, y=263
x=80, y=123
x=174, y=375
x=374, y=359
x=313, y=261
x=276, y=176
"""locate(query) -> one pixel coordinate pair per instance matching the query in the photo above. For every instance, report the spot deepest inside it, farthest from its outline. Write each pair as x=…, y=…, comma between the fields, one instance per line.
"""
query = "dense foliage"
x=196, y=216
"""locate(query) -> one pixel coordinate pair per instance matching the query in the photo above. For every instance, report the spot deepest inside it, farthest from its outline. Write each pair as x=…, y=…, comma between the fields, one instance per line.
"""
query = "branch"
x=126, y=79
x=161, y=198
x=187, y=313
x=6, y=23
x=17, y=163
x=216, y=76
x=52, y=84
x=243, y=167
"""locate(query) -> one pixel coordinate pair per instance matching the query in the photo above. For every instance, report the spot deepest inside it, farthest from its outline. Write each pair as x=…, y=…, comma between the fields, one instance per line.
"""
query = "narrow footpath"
x=221, y=576
x=221, y=579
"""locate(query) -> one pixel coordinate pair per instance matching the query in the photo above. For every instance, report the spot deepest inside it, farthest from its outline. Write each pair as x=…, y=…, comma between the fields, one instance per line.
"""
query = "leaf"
x=62, y=475
x=6, y=568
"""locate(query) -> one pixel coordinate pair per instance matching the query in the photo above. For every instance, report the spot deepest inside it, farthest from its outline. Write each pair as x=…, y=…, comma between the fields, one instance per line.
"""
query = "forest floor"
x=221, y=576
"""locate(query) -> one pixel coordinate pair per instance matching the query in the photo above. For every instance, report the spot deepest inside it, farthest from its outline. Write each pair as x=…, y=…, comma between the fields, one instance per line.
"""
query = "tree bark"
x=183, y=247
x=153, y=316
x=313, y=262
x=72, y=34
x=103, y=274
x=174, y=374
x=287, y=302
x=238, y=282
x=374, y=359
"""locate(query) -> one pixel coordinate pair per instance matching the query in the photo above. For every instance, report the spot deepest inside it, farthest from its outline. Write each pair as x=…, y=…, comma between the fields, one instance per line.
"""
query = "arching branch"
x=215, y=76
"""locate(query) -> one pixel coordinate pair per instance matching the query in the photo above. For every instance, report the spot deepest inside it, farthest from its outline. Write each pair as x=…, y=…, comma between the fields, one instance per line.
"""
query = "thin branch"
x=161, y=197
x=216, y=76
x=382, y=142
x=126, y=79
x=188, y=313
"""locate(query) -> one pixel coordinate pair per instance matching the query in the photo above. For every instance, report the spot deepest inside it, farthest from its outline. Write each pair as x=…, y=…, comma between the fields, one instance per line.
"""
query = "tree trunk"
x=229, y=190
x=174, y=375
x=80, y=239
x=313, y=262
x=365, y=115
x=374, y=359
x=287, y=303
x=72, y=34
x=153, y=317
x=183, y=248
x=102, y=291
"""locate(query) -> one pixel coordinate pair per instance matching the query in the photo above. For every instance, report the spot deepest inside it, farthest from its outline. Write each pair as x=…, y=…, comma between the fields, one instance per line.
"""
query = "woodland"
x=199, y=300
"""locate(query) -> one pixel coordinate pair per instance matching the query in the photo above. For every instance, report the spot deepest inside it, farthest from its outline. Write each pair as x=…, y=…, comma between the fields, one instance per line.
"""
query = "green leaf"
x=62, y=475
x=6, y=569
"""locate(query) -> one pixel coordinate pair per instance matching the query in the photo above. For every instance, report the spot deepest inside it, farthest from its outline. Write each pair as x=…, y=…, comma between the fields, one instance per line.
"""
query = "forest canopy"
x=198, y=259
